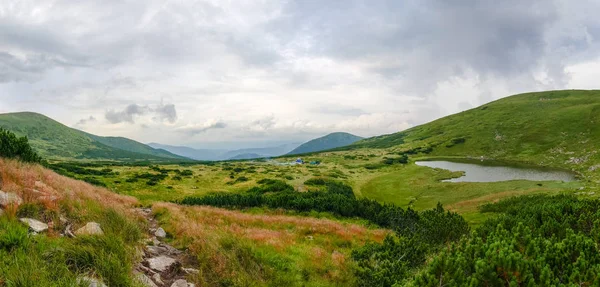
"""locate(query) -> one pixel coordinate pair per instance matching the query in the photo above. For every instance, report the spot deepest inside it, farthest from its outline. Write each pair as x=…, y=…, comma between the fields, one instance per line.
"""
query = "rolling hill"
x=554, y=128
x=218, y=154
x=330, y=141
x=53, y=140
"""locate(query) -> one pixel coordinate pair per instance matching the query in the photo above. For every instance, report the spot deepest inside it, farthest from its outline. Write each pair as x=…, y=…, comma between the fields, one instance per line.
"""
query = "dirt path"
x=162, y=264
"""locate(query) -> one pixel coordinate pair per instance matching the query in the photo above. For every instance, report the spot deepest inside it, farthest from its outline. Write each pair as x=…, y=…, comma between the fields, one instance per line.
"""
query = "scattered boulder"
x=8, y=198
x=35, y=225
x=160, y=233
x=161, y=263
x=182, y=283
x=144, y=280
x=91, y=228
x=91, y=281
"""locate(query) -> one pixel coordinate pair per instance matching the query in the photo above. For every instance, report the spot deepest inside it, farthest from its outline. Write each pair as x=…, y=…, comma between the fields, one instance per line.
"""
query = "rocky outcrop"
x=9, y=198
x=91, y=228
x=35, y=225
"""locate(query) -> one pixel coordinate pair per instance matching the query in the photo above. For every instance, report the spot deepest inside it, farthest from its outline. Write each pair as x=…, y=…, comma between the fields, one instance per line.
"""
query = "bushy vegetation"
x=12, y=146
x=538, y=241
x=378, y=264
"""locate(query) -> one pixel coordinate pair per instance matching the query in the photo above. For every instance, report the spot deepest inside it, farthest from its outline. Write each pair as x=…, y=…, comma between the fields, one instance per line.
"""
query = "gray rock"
x=35, y=225
x=91, y=281
x=181, y=283
x=160, y=233
x=154, y=250
x=157, y=279
x=161, y=263
x=91, y=228
x=143, y=279
x=8, y=198
x=191, y=271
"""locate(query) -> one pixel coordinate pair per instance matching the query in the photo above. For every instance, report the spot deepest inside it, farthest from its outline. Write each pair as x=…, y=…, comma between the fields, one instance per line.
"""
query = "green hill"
x=554, y=128
x=330, y=141
x=54, y=140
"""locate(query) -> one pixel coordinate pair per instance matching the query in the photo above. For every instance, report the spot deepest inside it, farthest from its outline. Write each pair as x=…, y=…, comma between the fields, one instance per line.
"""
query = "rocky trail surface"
x=162, y=264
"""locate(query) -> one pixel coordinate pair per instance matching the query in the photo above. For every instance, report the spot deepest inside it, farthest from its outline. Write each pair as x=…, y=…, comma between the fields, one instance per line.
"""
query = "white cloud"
x=283, y=70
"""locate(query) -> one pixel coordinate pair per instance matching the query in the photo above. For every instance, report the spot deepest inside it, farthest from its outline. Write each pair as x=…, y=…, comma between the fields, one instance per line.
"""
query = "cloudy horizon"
x=249, y=73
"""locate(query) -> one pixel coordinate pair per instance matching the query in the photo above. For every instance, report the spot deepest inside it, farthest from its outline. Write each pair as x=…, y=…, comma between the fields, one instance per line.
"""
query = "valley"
x=332, y=217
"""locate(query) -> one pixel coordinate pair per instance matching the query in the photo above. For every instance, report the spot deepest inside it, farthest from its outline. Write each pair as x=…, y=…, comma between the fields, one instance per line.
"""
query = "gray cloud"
x=369, y=67
x=126, y=115
x=83, y=122
x=195, y=129
x=163, y=112
x=166, y=112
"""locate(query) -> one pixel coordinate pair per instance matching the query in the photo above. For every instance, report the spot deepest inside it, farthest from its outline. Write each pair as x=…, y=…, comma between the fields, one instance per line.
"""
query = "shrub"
x=12, y=146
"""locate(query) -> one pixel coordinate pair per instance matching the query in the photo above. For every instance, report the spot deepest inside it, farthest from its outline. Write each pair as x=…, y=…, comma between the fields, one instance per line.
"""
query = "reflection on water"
x=487, y=173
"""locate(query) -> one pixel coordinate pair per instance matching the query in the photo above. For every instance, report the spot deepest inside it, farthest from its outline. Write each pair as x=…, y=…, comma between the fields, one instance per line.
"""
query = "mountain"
x=330, y=141
x=554, y=128
x=217, y=154
x=197, y=154
x=246, y=156
x=53, y=140
x=261, y=152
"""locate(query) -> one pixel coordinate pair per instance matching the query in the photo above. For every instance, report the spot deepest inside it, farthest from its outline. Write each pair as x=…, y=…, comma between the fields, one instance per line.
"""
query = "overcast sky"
x=203, y=72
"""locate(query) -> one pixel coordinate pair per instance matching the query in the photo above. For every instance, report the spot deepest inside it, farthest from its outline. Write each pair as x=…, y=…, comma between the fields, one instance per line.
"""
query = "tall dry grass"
x=321, y=247
x=38, y=185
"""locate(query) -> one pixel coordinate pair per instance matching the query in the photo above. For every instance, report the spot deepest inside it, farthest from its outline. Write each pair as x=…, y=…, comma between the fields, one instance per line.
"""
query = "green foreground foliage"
x=537, y=241
x=41, y=260
x=12, y=146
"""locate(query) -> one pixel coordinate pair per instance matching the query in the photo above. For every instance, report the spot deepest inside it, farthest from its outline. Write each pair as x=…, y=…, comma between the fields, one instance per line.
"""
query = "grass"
x=53, y=140
x=235, y=248
x=554, y=128
x=421, y=188
x=49, y=259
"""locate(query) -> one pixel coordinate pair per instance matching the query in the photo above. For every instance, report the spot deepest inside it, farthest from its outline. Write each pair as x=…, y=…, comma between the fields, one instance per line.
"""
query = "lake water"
x=491, y=173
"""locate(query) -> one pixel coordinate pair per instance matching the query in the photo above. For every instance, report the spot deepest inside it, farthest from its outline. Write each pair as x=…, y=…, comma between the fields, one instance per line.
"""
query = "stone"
x=91, y=228
x=91, y=281
x=142, y=278
x=35, y=225
x=8, y=198
x=160, y=233
x=157, y=279
x=191, y=271
x=180, y=283
x=161, y=263
x=156, y=250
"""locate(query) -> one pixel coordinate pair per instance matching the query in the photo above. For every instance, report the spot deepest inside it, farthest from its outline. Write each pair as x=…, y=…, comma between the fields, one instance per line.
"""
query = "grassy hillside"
x=54, y=140
x=555, y=128
x=133, y=146
x=330, y=141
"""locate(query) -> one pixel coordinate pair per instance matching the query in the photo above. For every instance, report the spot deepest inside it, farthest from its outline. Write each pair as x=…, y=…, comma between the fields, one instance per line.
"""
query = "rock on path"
x=161, y=263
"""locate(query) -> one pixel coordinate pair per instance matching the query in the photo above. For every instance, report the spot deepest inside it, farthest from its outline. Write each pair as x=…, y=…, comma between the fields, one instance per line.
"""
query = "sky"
x=249, y=73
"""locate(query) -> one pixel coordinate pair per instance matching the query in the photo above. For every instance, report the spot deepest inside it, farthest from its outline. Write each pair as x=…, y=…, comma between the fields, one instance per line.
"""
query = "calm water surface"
x=492, y=173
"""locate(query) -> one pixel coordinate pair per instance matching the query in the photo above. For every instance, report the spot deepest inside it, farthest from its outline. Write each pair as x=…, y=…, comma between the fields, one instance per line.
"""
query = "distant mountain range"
x=53, y=140
x=330, y=141
x=217, y=154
